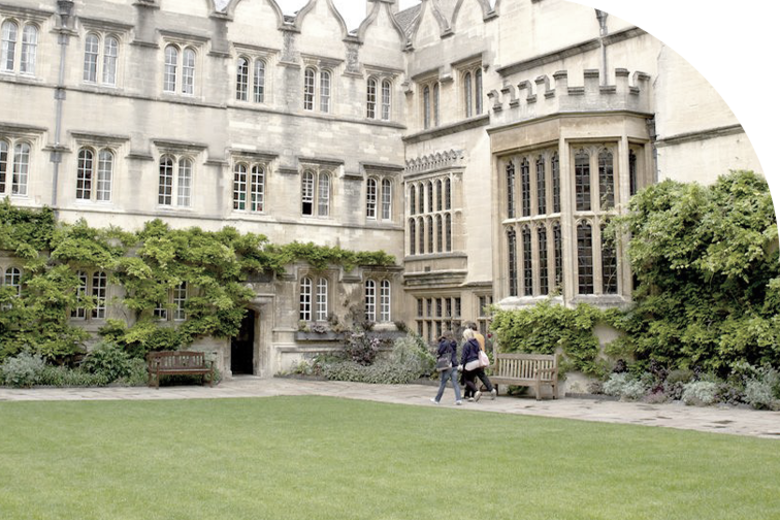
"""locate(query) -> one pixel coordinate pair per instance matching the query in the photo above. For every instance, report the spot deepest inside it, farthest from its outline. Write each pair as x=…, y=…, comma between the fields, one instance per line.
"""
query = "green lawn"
x=320, y=458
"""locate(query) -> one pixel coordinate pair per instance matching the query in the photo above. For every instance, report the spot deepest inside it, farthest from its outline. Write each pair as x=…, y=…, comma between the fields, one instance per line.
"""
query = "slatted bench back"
x=523, y=366
x=177, y=360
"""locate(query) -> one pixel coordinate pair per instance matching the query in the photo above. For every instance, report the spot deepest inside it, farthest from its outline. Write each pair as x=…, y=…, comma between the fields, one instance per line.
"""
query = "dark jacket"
x=470, y=351
x=444, y=346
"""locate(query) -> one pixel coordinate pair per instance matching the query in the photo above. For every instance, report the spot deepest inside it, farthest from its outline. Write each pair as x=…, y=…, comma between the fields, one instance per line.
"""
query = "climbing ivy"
x=708, y=295
x=147, y=265
x=547, y=328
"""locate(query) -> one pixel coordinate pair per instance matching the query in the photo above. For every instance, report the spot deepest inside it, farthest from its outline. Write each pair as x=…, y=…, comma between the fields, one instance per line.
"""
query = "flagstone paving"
x=717, y=419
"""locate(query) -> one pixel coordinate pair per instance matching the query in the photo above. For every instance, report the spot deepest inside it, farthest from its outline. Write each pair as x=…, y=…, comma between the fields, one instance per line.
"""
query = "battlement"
x=434, y=162
x=533, y=99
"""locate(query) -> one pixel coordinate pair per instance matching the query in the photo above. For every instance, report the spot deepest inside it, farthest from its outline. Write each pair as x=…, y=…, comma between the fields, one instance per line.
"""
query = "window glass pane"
x=165, y=194
x=185, y=183
x=104, y=175
x=188, y=72
x=632, y=173
x=3, y=165
x=528, y=273
x=84, y=174
x=29, y=49
x=609, y=271
x=239, y=187
x=323, y=195
x=426, y=107
x=8, y=52
x=371, y=99
x=308, y=89
x=371, y=199
x=582, y=180
x=512, y=261
x=322, y=299
x=259, y=81
x=99, y=282
x=257, y=188
x=478, y=92
x=91, y=47
x=110, y=55
x=436, y=105
x=556, y=183
x=171, y=62
x=439, y=234
x=325, y=91
x=421, y=231
x=384, y=303
x=541, y=186
x=179, y=300
x=412, y=237
x=370, y=300
x=305, y=301
x=544, y=279
x=242, y=79
x=468, y=93
x=386, y=100
x=510, y=190
x=81, y=292
x=307, y=193
x=21, y=169
x=387, y=199
x=525, y=188
x=585, y=258
x=606, y=180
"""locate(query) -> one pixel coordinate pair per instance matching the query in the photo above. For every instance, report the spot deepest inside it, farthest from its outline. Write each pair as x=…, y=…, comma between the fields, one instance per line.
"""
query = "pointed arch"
x=487, y=11
x=372, y=17
x=309, y=7
x=230, y=9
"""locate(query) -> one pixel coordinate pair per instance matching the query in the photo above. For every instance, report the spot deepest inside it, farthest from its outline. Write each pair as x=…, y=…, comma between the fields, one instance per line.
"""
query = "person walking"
x=481, y=374
x=469, y=361
x=447, y=349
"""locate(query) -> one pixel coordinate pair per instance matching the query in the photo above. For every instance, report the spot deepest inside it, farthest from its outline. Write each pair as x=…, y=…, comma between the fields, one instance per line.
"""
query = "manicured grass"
x=323, y=458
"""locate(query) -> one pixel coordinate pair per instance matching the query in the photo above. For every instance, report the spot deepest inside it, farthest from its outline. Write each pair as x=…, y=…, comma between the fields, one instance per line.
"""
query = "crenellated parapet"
x=434, y=162
x=532, y=99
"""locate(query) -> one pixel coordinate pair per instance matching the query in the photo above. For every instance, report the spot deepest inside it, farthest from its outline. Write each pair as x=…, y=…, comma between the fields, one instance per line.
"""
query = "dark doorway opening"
x=242, y=346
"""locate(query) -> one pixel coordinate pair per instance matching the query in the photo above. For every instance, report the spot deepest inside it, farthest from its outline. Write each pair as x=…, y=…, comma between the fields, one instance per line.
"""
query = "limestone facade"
x=483, y=144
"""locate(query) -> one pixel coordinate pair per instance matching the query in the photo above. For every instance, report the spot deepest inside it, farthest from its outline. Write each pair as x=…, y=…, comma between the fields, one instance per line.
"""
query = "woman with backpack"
x=446, y=364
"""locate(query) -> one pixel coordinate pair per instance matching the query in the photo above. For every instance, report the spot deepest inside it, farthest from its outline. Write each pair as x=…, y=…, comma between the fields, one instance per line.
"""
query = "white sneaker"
x=493, y=394
x=459, y=402
x=434, y=401
x=477, y=395
x=470, y=399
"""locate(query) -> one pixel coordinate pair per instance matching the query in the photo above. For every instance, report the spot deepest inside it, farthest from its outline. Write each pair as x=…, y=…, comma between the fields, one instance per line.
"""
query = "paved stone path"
x=709, y=419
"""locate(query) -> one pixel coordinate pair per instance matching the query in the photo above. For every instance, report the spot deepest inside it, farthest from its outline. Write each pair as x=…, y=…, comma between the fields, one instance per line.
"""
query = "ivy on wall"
x=146, y=265
x=708, y=294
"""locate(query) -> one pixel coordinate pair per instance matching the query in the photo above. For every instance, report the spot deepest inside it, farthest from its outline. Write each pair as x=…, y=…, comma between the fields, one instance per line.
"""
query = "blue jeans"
x=449, y=375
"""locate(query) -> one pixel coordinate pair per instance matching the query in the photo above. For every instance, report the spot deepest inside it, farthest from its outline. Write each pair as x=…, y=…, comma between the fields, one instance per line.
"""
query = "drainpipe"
x=603, y=32
x=64, y=9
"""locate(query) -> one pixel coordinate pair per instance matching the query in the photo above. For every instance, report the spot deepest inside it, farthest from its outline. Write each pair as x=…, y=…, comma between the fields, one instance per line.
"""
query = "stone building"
x=483, y=144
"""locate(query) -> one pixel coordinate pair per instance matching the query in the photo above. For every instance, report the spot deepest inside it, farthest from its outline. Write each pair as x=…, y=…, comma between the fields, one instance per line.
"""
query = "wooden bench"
x=180, y=362
x=531, y=370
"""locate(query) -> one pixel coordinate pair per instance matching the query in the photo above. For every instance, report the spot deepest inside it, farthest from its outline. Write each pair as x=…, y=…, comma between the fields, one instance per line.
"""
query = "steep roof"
x=406, y=17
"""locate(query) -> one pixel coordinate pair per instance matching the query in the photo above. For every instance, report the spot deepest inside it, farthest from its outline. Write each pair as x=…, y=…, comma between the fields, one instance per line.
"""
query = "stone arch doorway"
x=242, y=346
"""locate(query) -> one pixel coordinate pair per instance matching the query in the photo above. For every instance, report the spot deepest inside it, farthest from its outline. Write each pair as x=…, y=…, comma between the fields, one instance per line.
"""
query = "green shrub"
x=107, y=360
x=62, y=376
x=700, y=393
x=137, y=374
x=22, y=371
x=626, y=386
x=759, y=394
